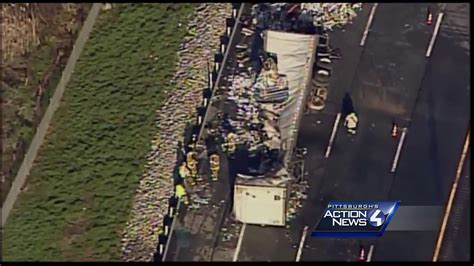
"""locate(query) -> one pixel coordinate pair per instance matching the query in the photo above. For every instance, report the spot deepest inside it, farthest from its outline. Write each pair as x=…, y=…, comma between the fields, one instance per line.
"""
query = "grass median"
x=80, y=189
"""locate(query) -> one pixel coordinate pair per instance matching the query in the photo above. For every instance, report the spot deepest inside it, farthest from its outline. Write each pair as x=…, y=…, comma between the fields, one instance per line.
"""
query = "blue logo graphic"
x=355, y=218
x=377, y=218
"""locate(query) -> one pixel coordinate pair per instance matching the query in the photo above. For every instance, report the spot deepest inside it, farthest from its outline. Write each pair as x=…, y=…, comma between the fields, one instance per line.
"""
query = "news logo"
x=377, y=218
x=355, y=218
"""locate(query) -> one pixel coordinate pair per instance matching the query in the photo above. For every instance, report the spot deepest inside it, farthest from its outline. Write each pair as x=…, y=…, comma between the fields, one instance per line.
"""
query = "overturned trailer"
x=264, y=198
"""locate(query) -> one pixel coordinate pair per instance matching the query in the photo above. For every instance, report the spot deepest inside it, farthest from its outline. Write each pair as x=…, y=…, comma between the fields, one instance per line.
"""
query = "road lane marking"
x=435, y=33
x=451, y=197
x=399, y=150
x=300, y=248
x=371, y=251
x=239, y=243
x=333, y=134
x=369, y=23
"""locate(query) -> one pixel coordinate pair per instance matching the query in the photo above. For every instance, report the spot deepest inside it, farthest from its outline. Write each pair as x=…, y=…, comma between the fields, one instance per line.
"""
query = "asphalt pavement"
x=394, y=80
x=434, y=142
x=457, y=243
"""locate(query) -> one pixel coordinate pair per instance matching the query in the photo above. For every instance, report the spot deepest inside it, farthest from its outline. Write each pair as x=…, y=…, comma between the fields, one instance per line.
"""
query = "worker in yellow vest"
x=191, y=164
x=185, y=174
x=351, y=123
x=214, y=166
x=180, y=193
x=229, y=145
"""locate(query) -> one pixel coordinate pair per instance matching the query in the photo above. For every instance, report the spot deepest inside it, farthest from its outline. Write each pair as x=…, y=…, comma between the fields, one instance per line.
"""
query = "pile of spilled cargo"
x=140, y=237
x=331, y=15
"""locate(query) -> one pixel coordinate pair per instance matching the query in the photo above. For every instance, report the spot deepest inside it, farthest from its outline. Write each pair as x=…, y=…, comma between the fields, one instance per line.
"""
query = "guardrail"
x=208, y=106
x=221, y=69
x=173, y=224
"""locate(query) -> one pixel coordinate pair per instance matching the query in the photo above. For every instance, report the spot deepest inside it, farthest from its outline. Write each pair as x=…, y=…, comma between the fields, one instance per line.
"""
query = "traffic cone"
x=394, y=130
x=429, y=20
x=362, y=254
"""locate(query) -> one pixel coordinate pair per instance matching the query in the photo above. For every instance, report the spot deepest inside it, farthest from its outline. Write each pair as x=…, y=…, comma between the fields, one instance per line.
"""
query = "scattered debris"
x=331, y=15
x=140, y=236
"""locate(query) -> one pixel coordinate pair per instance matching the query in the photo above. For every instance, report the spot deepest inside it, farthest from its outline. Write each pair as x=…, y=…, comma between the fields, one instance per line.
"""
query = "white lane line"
x=333, y=135
x=439, y=242
x=369, y=23
x=239, y=243
x=399, y=149
x=435, y=33
x=300, y=248
x=371, y=251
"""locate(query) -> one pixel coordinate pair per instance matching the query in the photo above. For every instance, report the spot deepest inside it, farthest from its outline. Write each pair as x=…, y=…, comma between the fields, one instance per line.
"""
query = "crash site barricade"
x=172, y=206
x=229, y=24
x=162, y=239
x=167, y=221
x=212, y=78
x=201, y=111
x=235, y=10
x=224, y=43
x=206, y=96
x=157, y=257
x=218, y=58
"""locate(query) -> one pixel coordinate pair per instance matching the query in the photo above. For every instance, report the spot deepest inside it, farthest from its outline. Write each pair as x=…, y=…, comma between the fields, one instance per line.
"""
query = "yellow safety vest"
x=191, y=164
x=351, y=121
x=190, y=157
x=180, y=191
x=230, y=143
x=214, y=161
x=183, y=171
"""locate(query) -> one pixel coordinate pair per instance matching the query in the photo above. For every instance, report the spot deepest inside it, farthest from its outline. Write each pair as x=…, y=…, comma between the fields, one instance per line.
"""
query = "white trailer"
x=261, y=201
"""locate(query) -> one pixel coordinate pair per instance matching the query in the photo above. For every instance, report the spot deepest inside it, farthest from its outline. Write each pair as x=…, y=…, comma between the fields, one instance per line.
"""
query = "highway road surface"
x=429, y=96
x=390, y=78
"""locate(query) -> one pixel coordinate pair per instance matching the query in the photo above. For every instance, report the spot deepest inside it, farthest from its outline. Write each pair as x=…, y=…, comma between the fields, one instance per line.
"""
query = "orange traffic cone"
x=362, y=254
x=429, y=20
x=394, y=130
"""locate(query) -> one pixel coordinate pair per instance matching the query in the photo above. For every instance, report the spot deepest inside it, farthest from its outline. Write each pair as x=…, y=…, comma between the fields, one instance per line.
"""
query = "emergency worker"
x=191, y=164
x=351, y=123
x=229, y=145
x=180, y=193
x=185, y=173
x=214, y=158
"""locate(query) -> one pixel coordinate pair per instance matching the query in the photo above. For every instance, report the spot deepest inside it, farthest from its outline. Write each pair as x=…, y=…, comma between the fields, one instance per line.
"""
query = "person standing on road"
x=351, y=123
x=351, y=120
x=214, y=160
x=180, y=193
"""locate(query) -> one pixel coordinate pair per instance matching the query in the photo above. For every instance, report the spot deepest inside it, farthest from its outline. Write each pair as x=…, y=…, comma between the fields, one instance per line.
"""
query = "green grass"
x=22, y=96
x=98, y=141
x=18, y=116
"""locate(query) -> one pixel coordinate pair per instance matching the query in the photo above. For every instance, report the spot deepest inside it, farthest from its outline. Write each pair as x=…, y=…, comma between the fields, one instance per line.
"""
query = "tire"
x=322, y=93
x=325, y=66
x=316, y=104
x=321, y=81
